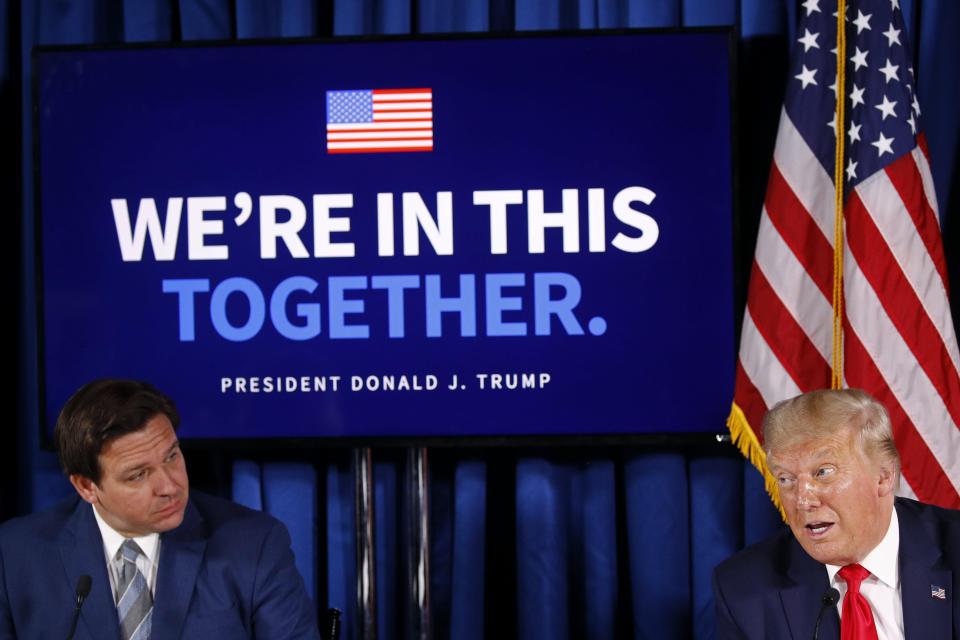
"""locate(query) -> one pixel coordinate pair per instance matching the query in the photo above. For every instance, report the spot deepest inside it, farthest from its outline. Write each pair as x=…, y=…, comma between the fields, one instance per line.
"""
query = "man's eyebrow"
x=143, y=465
x=129, y=470
x=826, y=452
x=818, y=456
x=774, y=467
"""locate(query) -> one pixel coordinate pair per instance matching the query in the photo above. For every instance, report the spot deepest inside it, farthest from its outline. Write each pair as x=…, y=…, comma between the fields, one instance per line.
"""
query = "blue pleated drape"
x=549, y=543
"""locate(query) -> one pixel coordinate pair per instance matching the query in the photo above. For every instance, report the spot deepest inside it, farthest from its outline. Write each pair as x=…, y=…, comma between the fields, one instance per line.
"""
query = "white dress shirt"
x=882, y=587
x=147, y=562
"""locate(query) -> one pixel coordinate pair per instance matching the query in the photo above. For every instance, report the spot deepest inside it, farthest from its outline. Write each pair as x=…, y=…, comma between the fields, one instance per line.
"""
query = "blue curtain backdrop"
x=530, y=543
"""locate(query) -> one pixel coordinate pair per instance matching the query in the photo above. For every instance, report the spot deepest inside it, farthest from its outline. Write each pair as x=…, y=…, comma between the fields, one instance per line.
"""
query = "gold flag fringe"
x=745, y=439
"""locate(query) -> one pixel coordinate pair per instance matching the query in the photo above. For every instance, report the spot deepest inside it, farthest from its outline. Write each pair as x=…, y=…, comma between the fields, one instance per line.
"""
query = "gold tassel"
x=746, y=441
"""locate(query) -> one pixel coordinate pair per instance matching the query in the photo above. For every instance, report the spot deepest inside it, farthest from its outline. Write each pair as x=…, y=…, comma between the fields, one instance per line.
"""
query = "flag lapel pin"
x=938, y=592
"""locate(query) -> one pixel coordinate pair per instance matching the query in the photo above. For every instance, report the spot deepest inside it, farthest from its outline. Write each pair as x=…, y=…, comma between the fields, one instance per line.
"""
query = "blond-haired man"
x=890, y=560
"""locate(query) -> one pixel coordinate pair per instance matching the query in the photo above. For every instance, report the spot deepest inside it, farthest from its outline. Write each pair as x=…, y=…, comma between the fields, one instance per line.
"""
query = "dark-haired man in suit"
x=892, y=560
x=160, y=561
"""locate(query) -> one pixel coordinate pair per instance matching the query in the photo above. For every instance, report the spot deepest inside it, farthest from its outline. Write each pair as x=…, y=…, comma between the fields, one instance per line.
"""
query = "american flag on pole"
x=379, y=120
x=898, y=340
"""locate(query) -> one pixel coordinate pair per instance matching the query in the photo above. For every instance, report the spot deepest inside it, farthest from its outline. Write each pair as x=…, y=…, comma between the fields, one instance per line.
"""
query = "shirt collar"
x=882, y=562
x=112, y=539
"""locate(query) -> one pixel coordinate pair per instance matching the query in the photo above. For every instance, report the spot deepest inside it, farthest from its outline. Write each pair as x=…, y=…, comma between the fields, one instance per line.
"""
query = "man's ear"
x=86, y=487
x=887, y=480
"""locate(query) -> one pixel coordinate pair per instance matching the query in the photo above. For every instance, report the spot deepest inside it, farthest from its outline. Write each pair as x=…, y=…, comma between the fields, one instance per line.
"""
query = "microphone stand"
x=82, y=591
x=827, y=600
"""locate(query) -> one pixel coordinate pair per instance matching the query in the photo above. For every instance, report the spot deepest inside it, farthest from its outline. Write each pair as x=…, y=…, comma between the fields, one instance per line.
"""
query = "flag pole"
x=836, y=381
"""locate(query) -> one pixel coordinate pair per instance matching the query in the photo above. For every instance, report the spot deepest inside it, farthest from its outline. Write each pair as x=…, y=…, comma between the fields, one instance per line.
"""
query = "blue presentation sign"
x=456, y=237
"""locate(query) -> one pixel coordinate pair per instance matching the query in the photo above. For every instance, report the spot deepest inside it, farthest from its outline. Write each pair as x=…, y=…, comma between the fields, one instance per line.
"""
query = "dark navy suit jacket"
x=225, y=572
x=773, y=589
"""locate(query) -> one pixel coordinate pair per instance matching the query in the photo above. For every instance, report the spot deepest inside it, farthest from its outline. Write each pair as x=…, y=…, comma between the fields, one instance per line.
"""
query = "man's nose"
x=163, y=483
x=807, y=495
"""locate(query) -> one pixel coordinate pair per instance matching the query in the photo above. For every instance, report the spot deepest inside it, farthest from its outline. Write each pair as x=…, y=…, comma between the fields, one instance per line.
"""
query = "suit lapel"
x=181, y=553
x=802, y=599
x=81, y=549
x=921, y=571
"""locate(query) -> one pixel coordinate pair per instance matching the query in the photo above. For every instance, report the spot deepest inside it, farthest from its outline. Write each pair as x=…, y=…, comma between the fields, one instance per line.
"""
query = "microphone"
x=827, y=600
x=333, y=624
x=81, y=592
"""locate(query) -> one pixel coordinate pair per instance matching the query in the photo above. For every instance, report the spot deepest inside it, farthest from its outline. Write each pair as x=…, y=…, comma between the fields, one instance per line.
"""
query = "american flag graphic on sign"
x=896, y=333
x=379, y=120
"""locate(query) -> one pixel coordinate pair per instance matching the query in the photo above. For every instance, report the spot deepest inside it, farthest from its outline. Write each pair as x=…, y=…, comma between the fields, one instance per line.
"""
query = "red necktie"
x=856, y=621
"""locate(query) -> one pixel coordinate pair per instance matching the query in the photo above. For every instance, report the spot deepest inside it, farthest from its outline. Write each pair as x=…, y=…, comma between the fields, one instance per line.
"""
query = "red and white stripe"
x=402, y=121
x=899, y=341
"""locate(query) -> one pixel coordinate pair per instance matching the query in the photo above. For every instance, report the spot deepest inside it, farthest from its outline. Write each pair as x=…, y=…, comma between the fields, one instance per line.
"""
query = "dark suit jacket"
x=225, y=572
x=774, y=589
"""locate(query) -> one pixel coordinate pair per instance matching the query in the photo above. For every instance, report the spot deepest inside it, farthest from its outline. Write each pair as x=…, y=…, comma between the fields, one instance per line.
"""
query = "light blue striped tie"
x=134, y=600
